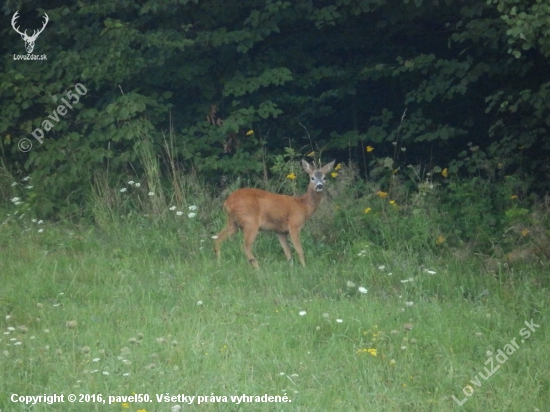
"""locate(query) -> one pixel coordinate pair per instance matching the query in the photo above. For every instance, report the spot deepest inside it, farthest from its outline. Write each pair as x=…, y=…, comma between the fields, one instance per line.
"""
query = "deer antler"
x=13, y=20
x=29, y=40
x=37, y=32
x=24, y=34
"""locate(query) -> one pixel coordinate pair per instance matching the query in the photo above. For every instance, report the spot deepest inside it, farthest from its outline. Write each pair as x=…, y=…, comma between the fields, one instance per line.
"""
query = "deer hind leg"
x=283, y=240
x=295, y=237
x=229, y=230
x=250, y=233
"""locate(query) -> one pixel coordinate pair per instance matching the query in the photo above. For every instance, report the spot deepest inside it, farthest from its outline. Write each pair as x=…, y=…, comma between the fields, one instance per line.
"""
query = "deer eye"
x=312, y=178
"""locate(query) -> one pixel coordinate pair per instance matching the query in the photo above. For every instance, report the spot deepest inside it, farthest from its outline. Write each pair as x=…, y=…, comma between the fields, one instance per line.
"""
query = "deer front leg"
x=295, y=237
x=283, y=240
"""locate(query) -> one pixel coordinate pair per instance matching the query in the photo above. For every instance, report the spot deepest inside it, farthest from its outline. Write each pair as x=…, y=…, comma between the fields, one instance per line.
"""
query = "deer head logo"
x=29, y=40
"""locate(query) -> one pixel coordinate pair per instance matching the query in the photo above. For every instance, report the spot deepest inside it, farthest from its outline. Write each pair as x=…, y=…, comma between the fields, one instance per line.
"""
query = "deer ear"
x=328, y=167
x=307, y=167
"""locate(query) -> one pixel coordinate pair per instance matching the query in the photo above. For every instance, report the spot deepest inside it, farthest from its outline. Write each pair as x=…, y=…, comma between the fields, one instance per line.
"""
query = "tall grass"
x=392, y=312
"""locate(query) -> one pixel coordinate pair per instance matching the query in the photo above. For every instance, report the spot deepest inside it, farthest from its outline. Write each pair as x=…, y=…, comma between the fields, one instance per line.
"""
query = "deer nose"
x=319, y=187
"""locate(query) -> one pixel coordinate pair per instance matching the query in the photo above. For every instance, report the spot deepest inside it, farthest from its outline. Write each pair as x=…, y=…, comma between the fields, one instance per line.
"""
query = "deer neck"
x=311, y=200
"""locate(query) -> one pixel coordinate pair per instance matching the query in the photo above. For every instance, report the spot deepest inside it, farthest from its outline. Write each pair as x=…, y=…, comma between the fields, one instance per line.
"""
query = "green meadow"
x=398, y=318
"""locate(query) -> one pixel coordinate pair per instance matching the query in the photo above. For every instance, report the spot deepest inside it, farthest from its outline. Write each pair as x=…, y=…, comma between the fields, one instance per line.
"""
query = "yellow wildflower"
x=392, y=362
x=338, y=166
x=524, y=232
x=372, y=351
x=392, y=202
x=445, y=172
x=334, y=174
x=367, y=210
x=369, y=149
x=125, y=405
x=514, y=197
x=250, y=133
x=382, y=194
x=291, y=176
x=440, y=240
x=311, y=154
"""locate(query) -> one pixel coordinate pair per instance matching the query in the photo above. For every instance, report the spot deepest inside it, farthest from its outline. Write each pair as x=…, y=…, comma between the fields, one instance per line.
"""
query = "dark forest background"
x=457, y=88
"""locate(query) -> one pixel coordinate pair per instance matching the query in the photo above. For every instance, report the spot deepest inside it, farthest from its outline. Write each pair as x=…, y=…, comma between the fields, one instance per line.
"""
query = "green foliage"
x=425, y=76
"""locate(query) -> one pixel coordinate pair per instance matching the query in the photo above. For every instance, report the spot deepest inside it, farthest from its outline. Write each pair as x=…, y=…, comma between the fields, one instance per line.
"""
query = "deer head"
x=29, y=40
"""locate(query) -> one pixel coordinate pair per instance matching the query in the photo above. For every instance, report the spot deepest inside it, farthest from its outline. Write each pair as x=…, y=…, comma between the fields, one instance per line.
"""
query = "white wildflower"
x=172, y=208
x=191, y=215
x=350, y=284
x=361, y=289
x=123, y=190
x=192, y=207
x=302, y=313
x=151, y=194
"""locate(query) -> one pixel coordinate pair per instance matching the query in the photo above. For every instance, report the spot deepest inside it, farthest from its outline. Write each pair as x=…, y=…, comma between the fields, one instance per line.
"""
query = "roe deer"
x=253, y=210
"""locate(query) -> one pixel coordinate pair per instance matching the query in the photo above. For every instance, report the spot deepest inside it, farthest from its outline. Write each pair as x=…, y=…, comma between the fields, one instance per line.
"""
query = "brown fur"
x=253, y=210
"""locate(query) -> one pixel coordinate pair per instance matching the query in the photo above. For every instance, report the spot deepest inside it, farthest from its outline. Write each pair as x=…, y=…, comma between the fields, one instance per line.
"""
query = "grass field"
x=146, y=310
